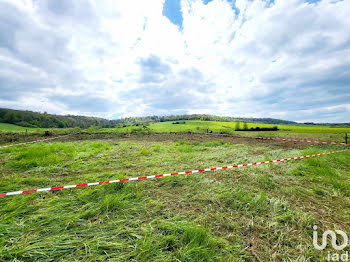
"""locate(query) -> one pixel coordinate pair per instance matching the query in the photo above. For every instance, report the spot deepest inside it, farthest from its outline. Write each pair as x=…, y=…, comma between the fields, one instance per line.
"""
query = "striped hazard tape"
x=301, y=140
x=165, y=175
x=35, y=141
x=276, y=138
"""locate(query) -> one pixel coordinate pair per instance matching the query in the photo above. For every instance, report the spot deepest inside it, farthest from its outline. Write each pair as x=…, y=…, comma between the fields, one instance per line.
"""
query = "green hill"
x=14, y=128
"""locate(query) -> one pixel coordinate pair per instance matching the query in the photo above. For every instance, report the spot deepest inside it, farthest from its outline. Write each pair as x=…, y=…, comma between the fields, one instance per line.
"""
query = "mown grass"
x=10, y=127
x=257, y=213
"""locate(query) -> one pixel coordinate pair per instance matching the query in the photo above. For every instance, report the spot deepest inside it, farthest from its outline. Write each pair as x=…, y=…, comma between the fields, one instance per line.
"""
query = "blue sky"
x=172, y=10
x=287, y=59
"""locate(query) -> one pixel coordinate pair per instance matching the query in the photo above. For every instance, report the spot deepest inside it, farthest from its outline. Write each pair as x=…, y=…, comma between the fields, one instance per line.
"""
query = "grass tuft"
x=145, y=152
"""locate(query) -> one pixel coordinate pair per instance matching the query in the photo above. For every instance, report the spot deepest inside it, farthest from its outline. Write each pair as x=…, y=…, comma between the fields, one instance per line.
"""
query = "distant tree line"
x=203, y=118
x=44, y=120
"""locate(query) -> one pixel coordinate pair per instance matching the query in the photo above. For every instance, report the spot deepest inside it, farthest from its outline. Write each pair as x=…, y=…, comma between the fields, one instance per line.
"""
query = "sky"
x=286, y=59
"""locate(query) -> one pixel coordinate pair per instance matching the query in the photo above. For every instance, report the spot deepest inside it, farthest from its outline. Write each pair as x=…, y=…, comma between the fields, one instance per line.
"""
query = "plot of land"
x=253, y=213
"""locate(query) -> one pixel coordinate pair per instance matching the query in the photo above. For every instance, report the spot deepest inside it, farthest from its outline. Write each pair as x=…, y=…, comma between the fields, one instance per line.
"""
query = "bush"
x=275, y=128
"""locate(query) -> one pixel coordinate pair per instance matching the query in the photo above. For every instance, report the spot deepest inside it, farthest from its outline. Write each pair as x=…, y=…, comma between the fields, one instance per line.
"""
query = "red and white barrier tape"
x=35, y=141
x=164, y=175
x=278, y=138
x=301, y=140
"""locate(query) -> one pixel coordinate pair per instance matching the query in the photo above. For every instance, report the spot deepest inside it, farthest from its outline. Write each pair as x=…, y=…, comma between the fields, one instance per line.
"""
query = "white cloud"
x=287, y=59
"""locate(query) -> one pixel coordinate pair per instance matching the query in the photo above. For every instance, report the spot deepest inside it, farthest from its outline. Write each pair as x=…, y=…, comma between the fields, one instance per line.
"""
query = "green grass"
x=10, y=128
x=293, y=131
x=254, y=213
x=230, y=127
x=13, y=128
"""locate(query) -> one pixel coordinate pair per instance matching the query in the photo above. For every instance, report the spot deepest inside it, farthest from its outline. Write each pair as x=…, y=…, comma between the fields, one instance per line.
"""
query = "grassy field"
x=14, y=128
x=293, y=131
x=230, y=127
x=198, y=126
x=259, y=213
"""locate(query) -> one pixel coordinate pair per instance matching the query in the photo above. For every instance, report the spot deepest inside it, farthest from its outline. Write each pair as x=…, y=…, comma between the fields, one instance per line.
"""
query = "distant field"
x=200, y=126
x=215, y=126
x=14, y=128
x=230, y=126
x=320, y=132
x=10, y=128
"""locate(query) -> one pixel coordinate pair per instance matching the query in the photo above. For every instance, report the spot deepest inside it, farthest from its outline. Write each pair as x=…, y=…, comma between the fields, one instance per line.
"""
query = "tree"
x=10, y=118
x=238, y=126
x=245, y=126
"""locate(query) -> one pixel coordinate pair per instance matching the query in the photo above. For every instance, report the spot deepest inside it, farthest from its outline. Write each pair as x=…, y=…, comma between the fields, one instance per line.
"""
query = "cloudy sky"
x=287, y=59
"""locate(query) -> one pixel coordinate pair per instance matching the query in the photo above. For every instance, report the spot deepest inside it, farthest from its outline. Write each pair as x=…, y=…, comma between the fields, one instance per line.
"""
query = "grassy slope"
x=10, y=128
x=253, y=213
x=13, y=128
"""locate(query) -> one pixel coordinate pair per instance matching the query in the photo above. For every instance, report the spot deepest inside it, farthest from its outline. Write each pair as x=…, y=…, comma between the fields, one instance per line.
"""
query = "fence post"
x=346, y=138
